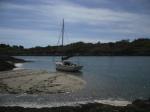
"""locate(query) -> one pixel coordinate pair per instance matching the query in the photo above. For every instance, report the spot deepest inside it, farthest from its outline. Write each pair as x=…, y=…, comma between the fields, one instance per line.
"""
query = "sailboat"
x=65, y=64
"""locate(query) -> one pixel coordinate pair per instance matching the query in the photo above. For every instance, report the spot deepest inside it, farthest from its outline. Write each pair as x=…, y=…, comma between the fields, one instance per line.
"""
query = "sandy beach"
x=38, y=82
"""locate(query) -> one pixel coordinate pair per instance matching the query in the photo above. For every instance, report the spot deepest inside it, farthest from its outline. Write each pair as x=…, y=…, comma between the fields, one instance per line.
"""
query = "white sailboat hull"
x=68, y=68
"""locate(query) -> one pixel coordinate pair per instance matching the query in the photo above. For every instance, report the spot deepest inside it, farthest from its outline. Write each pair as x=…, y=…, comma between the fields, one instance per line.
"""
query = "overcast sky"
x=38, y=22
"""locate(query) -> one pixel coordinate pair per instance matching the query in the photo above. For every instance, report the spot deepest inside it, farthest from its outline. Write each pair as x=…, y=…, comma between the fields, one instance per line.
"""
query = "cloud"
x=43, y=20
x=27, y=37
x=77, y=13
x=74, y=12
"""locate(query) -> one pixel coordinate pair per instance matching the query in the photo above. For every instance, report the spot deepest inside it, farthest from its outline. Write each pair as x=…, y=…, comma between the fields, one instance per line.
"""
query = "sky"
x=38, y=22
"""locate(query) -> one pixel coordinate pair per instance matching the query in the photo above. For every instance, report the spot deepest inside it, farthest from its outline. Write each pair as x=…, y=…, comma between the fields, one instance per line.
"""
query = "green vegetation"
x=138, y=47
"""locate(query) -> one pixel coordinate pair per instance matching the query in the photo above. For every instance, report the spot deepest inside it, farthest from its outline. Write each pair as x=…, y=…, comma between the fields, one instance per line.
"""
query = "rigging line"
x=59, y=37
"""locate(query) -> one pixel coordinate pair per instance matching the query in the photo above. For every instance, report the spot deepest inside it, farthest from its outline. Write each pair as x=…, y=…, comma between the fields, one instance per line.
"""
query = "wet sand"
x=38, y=82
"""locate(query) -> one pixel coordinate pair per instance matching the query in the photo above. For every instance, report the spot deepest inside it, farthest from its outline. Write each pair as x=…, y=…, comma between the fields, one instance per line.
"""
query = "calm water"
x=108, y=78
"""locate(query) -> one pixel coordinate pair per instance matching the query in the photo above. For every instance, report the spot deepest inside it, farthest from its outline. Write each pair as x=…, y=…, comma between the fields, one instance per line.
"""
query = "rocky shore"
x=8, y=62
x=136, y=106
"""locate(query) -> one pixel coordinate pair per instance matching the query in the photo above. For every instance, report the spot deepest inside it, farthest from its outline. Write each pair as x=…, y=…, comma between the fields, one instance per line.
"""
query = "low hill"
x=138, y=47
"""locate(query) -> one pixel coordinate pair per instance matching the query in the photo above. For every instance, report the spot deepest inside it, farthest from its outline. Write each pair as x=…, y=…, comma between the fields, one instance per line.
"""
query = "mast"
x=63, y=33
x=62, y=36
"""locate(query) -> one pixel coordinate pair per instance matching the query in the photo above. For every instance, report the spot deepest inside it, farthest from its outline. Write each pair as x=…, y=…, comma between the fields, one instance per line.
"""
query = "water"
x=108, y=79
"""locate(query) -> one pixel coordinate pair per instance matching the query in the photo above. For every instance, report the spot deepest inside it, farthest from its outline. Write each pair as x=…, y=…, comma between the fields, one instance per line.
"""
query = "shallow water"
x=108, y=79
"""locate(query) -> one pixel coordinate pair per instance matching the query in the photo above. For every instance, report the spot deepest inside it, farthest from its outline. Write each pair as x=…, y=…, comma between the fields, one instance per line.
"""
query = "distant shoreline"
x=137, y=47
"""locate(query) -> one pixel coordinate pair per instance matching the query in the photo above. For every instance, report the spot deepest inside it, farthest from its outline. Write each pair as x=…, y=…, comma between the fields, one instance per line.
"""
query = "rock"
x=11, y=59
x=142, y=103
x=6, y=65
x=7, y=62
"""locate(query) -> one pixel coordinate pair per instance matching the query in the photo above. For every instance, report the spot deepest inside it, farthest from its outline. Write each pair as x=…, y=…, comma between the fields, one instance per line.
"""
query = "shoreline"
x=58, y=104
x=136, y=106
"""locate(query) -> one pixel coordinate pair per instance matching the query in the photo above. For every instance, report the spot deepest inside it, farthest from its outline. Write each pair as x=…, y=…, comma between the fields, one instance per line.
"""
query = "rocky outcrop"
x=7, y=62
